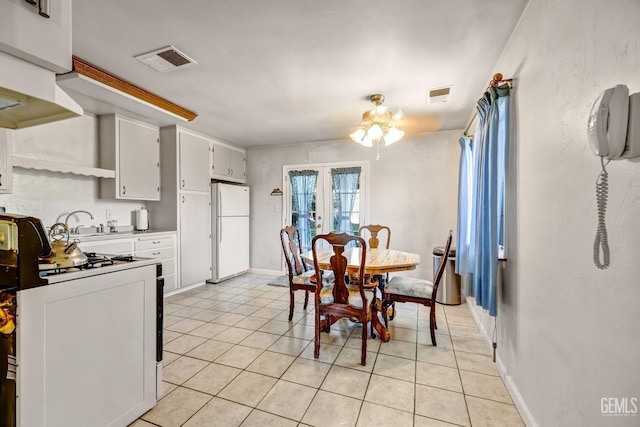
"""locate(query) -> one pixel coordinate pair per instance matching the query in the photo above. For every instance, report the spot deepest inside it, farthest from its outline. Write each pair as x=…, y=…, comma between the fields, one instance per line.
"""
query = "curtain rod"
x=472, y=123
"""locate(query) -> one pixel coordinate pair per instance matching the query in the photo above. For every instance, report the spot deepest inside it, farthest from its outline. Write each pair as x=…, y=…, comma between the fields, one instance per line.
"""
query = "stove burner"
x=93, y=261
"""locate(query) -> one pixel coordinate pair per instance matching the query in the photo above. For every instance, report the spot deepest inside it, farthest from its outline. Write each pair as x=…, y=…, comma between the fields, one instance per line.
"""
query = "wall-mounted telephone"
x=613, y=131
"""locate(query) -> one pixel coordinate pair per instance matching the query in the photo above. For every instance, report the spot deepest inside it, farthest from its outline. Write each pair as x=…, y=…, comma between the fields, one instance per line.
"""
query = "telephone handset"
x=607, y=127
x=607, y=135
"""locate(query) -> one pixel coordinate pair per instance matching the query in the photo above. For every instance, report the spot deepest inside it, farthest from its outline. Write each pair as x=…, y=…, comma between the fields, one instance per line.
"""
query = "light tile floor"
x=231, y=358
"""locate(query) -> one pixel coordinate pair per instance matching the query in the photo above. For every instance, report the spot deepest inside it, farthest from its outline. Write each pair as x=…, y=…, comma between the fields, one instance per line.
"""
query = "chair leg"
x=385, y=312
x=291, y=304
x=363, y=356
x=316, y=337
x=432, y=326
x=306, y=299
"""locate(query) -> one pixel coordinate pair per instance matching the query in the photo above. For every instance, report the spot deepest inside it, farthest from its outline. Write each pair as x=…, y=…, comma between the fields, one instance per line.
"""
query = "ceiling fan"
x=381, y=124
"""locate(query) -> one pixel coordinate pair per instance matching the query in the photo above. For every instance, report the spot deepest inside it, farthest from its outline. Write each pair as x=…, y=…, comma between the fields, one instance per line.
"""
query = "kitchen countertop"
x=118, y=235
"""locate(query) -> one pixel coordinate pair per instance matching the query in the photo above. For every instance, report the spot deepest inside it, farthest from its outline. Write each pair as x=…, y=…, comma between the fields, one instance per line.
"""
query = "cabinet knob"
x=183, y=183
x=182, y=199
x=124, y=190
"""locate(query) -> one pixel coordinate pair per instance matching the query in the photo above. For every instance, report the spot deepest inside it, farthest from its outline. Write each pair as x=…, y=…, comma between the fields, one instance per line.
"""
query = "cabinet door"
x=27, y=35
x=194, y=163
x=195, y=238
x=138, y=161
x=237, y=164
x=220, y=162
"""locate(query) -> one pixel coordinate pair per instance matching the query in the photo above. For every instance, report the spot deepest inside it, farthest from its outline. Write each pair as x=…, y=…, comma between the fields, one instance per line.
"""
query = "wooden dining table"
x=377, y=262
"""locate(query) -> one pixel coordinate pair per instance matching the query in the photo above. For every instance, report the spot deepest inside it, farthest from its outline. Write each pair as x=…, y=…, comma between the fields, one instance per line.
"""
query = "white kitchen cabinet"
x=87, y=349
x=227, y=163
x=162, y=248
x=195, y=238
x=194, y=162
x=132, y=149
x=43, y=41
x=6, y=171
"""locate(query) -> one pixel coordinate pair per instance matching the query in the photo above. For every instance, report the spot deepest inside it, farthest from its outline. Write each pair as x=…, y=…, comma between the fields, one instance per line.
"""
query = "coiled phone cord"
x=601, y=240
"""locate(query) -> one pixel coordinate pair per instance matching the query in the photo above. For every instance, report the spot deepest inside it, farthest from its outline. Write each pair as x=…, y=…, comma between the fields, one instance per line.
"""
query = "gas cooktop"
x=96, y=264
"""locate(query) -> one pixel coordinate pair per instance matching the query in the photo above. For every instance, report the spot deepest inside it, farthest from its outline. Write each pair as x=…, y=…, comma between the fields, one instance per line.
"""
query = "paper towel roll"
x=142, y=219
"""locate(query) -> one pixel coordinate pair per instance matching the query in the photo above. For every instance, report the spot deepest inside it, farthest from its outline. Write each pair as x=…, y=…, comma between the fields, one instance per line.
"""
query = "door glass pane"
x=345, y=199
x=303, y=204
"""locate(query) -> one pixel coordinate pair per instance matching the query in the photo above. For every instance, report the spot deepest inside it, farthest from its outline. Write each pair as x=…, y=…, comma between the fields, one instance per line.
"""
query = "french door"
x=325, y=198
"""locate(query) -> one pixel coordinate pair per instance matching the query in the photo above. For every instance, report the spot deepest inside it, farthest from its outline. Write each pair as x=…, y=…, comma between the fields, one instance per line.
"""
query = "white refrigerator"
x=230, y=229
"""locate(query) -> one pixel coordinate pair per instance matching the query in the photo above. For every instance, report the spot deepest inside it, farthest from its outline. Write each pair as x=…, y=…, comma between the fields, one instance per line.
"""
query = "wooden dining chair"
x=342, y=300
x=410, y=289
x=301, y=277
x=373, y=231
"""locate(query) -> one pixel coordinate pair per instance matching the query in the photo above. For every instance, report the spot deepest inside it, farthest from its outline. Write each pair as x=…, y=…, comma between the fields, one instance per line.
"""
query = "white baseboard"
x=261, y=271
x=476, y=311
x=180, y=290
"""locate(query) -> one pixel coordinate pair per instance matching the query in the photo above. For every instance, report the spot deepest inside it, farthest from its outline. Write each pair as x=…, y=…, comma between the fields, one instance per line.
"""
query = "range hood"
x=29, y=95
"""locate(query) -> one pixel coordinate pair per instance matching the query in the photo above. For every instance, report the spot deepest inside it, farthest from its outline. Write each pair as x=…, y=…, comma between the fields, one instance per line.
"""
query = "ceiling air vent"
x=437, y=95
x=165, y=59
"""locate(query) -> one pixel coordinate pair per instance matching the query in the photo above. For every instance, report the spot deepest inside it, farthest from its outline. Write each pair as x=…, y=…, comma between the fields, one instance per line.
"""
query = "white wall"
x=568, y=332
x=50, y=196
x=413, y=189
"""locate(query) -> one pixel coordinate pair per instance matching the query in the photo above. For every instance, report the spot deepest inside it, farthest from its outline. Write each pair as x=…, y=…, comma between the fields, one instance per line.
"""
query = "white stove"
x=84, y=342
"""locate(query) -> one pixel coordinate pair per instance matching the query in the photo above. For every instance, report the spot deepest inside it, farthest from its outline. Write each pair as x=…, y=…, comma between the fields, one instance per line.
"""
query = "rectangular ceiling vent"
x=165, y=59
x=437, y=95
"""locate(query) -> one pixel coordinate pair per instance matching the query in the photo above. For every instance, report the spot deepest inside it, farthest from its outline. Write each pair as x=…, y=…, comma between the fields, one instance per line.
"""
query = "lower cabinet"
x=153, y=245
x=164, y=249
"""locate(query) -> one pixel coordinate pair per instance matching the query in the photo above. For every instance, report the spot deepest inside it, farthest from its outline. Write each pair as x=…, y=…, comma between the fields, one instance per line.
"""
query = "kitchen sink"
x=92, y=231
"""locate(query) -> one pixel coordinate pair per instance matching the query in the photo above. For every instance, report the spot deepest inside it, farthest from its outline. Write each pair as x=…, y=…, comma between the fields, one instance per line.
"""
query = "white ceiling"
x=287, y=71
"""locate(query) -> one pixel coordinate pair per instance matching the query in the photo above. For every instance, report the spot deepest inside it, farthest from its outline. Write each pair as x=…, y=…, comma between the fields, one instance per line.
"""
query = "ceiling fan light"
x=366, y=141
x=375, y=132
x=357, y=135
x=393, y=135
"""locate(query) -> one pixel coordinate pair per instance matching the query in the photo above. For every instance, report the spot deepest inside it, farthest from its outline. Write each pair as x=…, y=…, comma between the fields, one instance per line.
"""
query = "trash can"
x=449, y=289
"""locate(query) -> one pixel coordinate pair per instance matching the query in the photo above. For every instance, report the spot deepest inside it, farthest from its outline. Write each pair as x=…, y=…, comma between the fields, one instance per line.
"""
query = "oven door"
x=159, y=324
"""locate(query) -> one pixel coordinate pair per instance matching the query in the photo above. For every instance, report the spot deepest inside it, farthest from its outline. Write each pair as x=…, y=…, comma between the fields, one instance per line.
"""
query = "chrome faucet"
x=66, y=220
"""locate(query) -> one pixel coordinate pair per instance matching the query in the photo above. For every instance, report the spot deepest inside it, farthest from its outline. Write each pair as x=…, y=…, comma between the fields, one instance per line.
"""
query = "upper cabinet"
x=25, y=33
x=227, y=163
x=194, y=161
x=132, y=148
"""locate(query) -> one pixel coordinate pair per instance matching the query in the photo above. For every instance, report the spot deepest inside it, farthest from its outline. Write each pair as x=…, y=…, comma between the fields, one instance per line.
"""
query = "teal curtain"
x=345, y=188
x=303, y=190
x=484, y=211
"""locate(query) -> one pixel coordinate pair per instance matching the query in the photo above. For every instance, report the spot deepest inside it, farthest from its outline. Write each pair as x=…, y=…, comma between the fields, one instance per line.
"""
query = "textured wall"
x=50, y=196
x=567, y=332
x=413, y=189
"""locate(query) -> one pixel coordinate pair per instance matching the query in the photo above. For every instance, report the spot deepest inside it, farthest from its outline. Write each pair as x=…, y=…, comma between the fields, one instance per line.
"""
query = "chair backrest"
x=339, y=264
x=290, y=238
x=373, y=230
x=441, y=267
